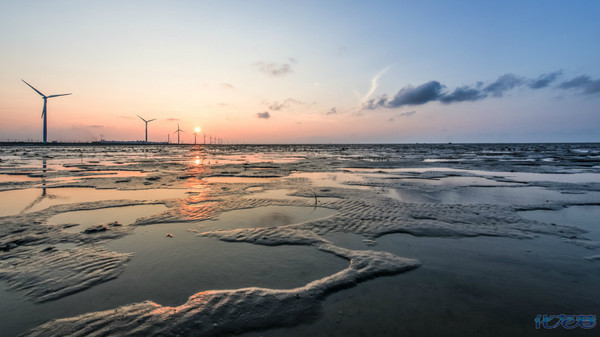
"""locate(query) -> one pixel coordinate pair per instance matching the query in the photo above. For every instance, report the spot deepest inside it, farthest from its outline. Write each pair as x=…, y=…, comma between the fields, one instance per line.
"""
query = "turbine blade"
x=142, y=118
x=152, y=120
x=58, y=95
x=34, y=88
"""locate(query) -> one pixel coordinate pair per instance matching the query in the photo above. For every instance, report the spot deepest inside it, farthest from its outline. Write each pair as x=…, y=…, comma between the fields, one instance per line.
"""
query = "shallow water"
x=188, y=264
x=124, y=215
x=237, y=180
x=268, y=216
x=584, y=217
x=492, y=195
x=487, y=286
x=568, y=176
x=273, y=194
x=31, y=200
x=4, y=178
x=471, y=286
x=331, y=179
x=169, y=270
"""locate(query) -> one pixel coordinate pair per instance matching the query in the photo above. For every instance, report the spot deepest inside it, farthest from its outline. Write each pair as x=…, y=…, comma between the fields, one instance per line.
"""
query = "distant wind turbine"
x=44, y=114
x=146, y=121
x=178, y=131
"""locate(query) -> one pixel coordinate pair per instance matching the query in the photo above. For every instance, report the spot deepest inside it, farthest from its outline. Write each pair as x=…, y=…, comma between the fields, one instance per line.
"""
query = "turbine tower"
x=146, y=121
x=178, y=131
x=44, y=115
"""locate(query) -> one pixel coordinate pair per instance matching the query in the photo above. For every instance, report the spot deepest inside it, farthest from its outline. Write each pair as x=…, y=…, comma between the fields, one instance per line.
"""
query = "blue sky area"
x=303, y=71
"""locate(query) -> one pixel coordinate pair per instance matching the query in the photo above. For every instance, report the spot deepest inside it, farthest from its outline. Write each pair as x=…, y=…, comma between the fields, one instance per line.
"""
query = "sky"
x=302, y=71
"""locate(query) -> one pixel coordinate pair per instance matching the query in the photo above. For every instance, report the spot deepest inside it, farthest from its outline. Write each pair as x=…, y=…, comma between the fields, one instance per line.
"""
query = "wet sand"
x=358, y=240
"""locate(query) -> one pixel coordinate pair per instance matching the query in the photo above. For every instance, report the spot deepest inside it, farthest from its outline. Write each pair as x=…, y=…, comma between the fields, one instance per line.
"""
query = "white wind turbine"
x=178, y=131
x=146, y=121
x=44, y=114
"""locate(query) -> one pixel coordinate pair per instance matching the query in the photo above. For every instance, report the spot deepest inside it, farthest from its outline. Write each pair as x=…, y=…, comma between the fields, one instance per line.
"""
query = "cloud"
x=226, y=86
x=583, y=82
x=276, y=106
x=422, y=94
x=504, y=83
x=96, y=126
x=374, y=84
x=332, y=111
x=275, y=69
x=577, y=82
x=435, y=91
x=173, y=119
x=264, y=115
x=406, y=114
x=544, y=80
x=462, y=94
x=408, y=95
x=593, y=88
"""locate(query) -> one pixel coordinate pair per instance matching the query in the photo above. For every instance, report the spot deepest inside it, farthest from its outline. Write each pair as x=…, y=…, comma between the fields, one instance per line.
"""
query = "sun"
x=197, y=129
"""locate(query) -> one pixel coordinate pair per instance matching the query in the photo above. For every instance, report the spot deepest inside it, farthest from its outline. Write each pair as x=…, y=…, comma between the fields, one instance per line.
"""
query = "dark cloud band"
x=435, y=91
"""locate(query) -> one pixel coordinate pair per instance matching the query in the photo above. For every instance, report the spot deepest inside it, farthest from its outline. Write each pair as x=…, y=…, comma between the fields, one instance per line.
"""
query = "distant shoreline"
x=90, y=143
x=141, y=143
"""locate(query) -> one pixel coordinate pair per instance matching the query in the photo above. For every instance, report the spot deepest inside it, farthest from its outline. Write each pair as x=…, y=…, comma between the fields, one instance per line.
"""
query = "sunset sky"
x=302, y=71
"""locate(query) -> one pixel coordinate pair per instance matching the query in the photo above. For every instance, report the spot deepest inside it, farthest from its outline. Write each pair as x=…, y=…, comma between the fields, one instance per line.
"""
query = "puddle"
x=347, y=240
x=239, y=180
x=268, y=216
x=169, y=270
x=471, y=286
x=255, y=189
x=7, y=178
x=281, y=194
x=458, y=181
x=31, y=200
x=125, y=215
x=574, y=177
x=331, y=179
x=584, y=217
x=98, y=174
x=491, y=195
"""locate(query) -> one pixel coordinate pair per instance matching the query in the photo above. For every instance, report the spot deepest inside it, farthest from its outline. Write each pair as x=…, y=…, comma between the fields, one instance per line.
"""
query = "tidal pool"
x=584, y=217
x=483, y=286
x=169, y=269
x=124, y=215
x=491, y=195
x=267, y=216
x=239, y=180
x=35, y=199
x=331, y=179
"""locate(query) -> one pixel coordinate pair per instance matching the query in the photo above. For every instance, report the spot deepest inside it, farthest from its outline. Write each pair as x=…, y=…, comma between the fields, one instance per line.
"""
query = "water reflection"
x=197, y=205
x=44, y=195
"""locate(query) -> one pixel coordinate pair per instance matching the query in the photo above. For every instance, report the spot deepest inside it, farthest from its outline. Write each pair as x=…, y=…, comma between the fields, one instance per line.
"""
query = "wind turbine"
x=146, y=121
x=44, y=115
x=178, y=131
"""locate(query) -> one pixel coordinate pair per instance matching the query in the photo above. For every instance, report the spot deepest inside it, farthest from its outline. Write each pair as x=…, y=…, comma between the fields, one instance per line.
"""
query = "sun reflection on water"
x=196, y=205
